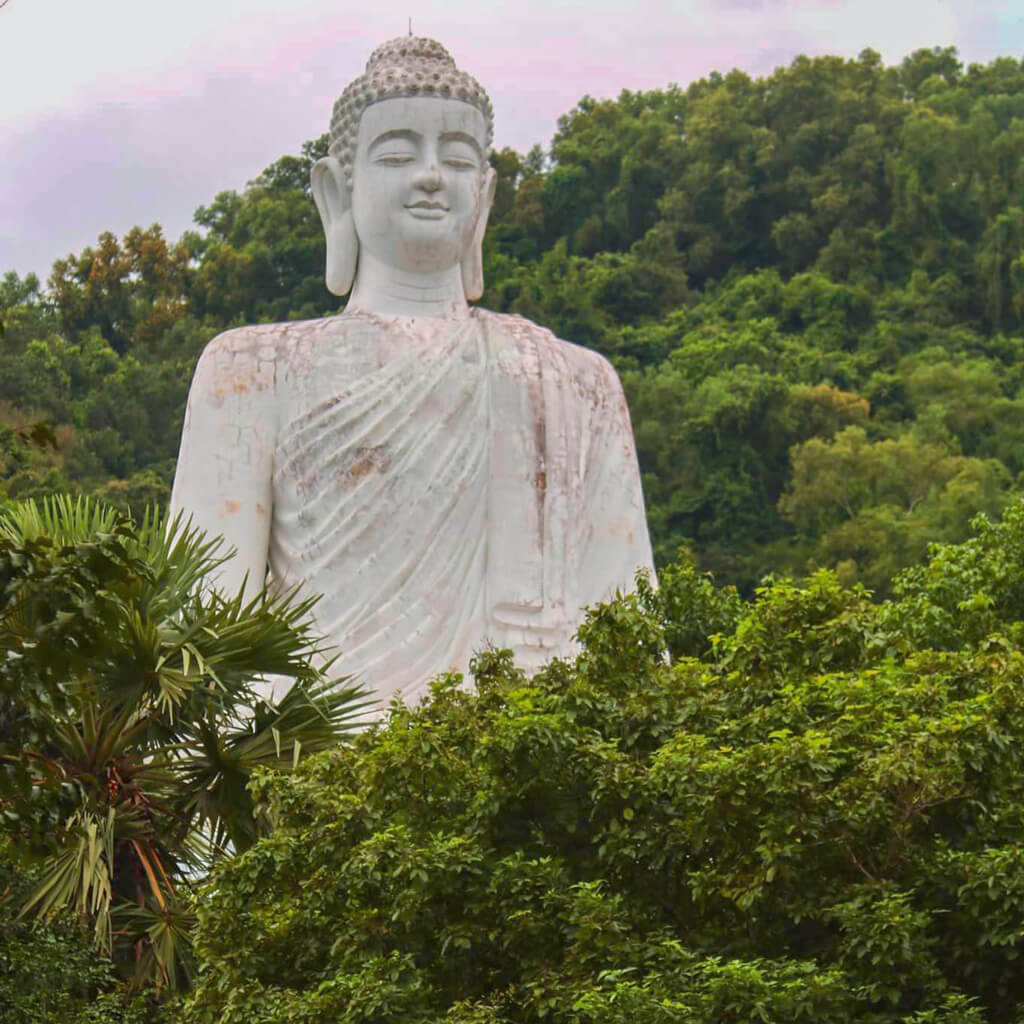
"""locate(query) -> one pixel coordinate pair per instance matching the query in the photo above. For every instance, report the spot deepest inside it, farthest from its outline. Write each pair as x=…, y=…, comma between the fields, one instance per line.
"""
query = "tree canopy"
x=769, y=262
x=131, y=722
x=812, y=815
x=783, y=785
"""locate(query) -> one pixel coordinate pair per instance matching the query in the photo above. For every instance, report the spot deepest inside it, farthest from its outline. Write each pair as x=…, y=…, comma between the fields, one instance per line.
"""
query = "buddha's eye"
x=459, y=156
x=396, y=159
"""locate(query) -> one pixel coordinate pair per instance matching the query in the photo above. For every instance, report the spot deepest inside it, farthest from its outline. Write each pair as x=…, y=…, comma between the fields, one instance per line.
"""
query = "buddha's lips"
x=425, y=210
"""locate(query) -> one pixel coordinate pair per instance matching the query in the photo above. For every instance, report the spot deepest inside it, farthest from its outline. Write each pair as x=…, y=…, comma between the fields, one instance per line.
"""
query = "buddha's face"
x=417, y=181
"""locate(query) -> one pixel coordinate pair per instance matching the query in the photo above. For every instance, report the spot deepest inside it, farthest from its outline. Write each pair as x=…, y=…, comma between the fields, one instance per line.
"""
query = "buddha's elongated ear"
x=473, y=260
x=334, y=204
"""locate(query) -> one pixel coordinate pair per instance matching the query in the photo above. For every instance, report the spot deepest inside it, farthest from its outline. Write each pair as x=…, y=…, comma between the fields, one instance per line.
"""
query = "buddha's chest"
x=387, y=427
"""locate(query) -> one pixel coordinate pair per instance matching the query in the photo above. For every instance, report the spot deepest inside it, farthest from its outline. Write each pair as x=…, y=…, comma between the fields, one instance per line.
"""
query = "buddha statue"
x=445, y=477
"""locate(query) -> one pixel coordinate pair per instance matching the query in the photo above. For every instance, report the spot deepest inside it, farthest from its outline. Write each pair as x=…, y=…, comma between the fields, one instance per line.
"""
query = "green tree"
x=261, y=256
x=131, y=290
x=131, y=720
x=51, y=974
x=814, y=816
x=875, y=506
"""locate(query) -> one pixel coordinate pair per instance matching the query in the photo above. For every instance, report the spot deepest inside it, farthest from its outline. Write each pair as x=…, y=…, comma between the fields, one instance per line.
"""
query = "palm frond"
x=164, y=941
x=316, y=715
x=306, y=720
x=79, y=877
x=151, y=720
x=179, y=556
x=63, y=519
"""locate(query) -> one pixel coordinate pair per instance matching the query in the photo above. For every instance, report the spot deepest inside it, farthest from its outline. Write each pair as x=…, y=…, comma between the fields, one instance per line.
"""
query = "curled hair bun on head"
x=406, y=66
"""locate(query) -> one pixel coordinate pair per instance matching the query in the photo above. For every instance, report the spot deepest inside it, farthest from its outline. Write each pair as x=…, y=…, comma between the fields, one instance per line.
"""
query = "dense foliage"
x=52, y=974
x=131, y=723
x=816, y=816
x=780, y=801
x=812, y=283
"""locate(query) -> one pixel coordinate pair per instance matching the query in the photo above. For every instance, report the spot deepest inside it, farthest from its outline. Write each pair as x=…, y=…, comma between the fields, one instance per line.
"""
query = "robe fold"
x=445, y=484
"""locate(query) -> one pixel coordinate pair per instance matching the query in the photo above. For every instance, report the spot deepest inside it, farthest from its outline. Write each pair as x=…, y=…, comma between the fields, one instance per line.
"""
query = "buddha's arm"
x=223, y=478
x=617, y=542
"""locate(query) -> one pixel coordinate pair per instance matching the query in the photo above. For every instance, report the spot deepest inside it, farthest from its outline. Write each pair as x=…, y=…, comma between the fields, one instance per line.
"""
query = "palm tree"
x=132, y=718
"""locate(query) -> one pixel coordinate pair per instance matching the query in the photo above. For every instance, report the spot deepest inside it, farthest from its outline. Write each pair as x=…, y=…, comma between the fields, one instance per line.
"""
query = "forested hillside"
x=812, y=284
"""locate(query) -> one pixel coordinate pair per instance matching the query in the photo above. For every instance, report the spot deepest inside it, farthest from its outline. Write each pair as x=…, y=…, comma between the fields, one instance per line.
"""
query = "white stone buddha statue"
x=445, y=477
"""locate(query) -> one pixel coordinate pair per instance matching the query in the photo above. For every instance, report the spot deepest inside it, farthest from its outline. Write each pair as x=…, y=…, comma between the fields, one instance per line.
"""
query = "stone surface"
x=445, y=477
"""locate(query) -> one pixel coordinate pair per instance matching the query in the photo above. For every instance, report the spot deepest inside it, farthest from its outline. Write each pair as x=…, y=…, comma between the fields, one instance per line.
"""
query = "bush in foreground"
x=815, y=816
x=131, y=719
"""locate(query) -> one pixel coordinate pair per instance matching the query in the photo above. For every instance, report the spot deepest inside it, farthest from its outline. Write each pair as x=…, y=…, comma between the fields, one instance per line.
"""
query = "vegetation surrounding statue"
x=131, y=723
x=795, y=800
x=804, y=806
x=766, y=261
x=811, y=815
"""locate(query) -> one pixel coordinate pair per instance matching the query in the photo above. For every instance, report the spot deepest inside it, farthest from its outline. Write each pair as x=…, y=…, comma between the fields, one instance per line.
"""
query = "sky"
x=122, y=112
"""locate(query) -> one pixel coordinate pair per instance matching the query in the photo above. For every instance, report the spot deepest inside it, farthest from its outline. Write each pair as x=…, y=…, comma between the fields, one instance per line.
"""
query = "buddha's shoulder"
x=297, y=348
x=556, y=353
x=270, y=342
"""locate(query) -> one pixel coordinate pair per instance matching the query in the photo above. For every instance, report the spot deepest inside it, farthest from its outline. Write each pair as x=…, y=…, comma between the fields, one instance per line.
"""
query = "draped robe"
x=443, y=483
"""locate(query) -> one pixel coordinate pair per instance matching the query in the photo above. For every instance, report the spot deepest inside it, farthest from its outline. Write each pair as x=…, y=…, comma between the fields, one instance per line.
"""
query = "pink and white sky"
x=122, y=112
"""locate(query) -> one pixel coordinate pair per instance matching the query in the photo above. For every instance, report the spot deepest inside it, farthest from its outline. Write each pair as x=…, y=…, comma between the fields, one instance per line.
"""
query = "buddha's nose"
x=430, y=178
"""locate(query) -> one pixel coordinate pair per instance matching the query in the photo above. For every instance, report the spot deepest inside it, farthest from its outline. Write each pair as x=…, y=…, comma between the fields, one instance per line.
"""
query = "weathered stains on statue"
x=233, y=386
x=535, y=386
x=438, y=482
x=239, y=368
x=367, y=460
x=620, y=526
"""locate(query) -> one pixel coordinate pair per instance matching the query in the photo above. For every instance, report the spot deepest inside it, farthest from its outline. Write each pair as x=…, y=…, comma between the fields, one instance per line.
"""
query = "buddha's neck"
x=392, y=292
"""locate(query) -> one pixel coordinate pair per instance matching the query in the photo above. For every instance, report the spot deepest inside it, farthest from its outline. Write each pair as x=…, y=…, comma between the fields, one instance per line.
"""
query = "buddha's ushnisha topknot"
x=406, y=66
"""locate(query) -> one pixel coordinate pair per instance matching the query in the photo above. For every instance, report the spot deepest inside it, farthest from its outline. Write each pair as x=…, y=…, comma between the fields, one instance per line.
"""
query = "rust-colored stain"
x=233, y=384
x=230, y=508
x=228, y=387
x=260, y=510
x=367, y=460
x=535, y=388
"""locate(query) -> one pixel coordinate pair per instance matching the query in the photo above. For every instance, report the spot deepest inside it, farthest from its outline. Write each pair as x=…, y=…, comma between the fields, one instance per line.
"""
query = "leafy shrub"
x=815, y=819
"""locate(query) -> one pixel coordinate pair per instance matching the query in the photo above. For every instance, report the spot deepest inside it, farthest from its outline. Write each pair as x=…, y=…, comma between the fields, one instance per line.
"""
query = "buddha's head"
x=407, y=178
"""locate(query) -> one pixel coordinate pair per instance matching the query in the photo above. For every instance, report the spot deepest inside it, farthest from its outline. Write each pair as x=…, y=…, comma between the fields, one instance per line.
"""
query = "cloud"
x=131, y=113
x=66, y=178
